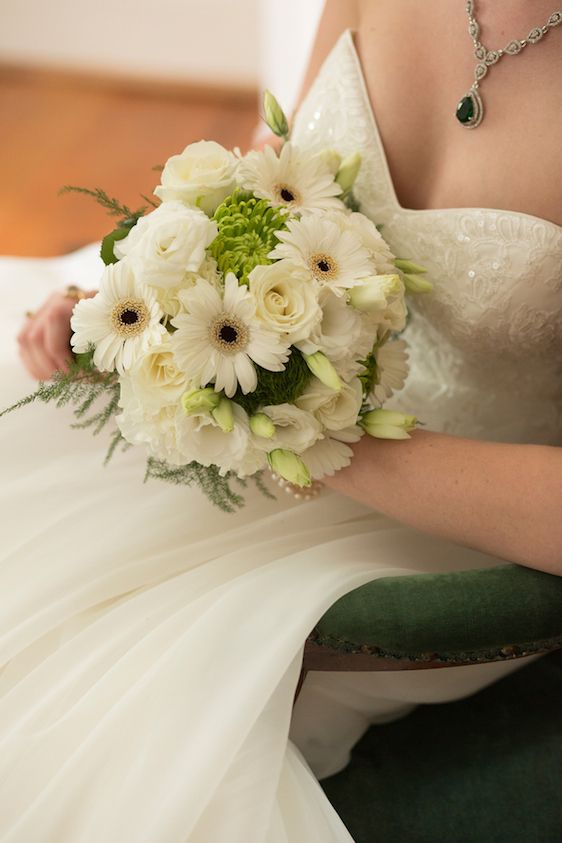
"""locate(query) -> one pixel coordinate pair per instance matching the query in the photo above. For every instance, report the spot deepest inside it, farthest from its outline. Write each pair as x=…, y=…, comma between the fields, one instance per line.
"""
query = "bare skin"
x=498, y=498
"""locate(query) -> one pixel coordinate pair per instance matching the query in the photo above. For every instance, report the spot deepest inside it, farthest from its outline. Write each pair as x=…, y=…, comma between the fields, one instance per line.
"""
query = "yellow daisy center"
x=323, y=267
x=286, y=194
x=129, y=317
x=228, y=334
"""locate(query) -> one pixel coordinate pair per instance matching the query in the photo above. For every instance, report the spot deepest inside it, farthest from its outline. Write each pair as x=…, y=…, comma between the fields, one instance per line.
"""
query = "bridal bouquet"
x=247, y=321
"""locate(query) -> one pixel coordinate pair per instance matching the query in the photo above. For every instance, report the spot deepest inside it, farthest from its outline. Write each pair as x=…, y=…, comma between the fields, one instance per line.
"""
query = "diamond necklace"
x=470, y=109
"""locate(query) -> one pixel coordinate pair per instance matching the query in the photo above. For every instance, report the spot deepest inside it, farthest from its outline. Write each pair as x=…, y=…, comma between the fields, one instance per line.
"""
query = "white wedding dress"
x=150, y=645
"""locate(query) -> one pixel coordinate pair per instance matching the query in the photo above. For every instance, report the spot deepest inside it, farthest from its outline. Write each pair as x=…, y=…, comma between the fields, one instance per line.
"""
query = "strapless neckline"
x=349, y=35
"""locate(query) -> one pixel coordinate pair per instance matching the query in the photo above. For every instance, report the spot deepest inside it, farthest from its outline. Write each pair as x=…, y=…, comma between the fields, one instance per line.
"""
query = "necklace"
x=470, y=109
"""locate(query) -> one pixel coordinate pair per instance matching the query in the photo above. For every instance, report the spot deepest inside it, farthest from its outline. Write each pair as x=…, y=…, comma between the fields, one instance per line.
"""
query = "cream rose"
x=286, y=301
x=167, y=243
x=203, y=175
x=334, y=410
x=295, y=429
x=155, y=380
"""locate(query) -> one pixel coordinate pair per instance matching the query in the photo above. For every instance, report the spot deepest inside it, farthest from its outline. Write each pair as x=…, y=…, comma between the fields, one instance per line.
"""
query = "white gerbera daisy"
x=331, y=454
x=392, y=370
x=293, y=179
x=122, y=321
x=220, y=335
x=332, y=253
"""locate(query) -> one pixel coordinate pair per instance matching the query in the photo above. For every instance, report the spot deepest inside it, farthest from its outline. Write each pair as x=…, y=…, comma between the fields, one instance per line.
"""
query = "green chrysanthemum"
x=247, y=228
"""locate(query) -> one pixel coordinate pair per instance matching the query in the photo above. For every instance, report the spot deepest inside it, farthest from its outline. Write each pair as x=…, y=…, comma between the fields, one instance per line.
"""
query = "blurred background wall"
x=95, y=93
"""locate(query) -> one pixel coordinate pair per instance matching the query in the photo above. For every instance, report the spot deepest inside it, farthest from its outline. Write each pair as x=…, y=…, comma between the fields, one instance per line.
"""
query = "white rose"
x=339, y=330
x=334, y=410
x=295, y=429
x=154, y=379
x=286, y=301
x=204, y=174
x=167, y=243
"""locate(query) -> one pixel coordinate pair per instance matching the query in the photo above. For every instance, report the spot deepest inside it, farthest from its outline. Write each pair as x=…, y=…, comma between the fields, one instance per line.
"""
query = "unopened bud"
x=323, y=369
x=348, y=171
x=275, y=116
x=223, y=415
x=200, y=401
x=289, y=466
x=261, y=425
x=388, y=424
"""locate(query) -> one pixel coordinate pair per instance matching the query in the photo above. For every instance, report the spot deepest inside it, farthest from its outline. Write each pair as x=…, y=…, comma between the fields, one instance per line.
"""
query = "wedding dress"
x=150, y=645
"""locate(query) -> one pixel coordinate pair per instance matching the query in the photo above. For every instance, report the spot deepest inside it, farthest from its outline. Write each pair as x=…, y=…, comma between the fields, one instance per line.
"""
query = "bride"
x=150, y=645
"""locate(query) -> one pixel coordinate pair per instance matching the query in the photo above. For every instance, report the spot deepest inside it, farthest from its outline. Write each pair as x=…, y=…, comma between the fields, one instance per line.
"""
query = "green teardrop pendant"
x=470, y=110
x=465, y=110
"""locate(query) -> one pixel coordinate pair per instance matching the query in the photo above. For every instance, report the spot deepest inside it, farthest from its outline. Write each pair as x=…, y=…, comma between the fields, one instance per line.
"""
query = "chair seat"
x=485, y=769
x=479, y=615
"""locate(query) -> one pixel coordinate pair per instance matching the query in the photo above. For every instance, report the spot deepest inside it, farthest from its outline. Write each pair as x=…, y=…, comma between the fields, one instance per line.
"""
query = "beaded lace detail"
x=486, y=344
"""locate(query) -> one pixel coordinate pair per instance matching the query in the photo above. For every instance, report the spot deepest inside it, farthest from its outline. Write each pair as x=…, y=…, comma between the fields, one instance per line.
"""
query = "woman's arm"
x=498, y=498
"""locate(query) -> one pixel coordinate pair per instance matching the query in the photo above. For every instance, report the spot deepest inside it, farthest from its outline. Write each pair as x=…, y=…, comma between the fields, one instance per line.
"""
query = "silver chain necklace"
x=470, y=109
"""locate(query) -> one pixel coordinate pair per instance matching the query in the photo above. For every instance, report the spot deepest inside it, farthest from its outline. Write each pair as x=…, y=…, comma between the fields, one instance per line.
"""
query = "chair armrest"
x=455, y=617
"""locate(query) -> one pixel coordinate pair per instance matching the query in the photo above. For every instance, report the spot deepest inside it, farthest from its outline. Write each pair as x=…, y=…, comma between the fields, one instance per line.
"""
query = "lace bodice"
x=486, y=344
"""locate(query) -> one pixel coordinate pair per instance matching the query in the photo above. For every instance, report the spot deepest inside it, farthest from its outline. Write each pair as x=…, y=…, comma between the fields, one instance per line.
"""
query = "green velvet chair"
x=484, y=769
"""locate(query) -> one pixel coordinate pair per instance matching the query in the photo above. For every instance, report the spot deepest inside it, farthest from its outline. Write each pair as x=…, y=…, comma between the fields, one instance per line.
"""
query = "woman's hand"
x=44, y=340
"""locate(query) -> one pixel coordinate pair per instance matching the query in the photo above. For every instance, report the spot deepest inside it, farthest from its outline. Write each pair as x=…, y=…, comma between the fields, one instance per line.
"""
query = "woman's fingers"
x=57, y=333
x=44, y=338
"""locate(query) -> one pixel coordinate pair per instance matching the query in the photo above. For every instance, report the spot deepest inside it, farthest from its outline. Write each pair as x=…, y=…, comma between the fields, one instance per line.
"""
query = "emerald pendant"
x=470, y=110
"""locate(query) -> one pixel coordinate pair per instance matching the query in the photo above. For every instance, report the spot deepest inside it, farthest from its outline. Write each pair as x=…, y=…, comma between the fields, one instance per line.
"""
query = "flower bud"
x=388, y=424
x=332, y=159
x=348, y=171
x=409, y=266
x=321, y=367
x=199, y=401
x=261, y=425
x=275, y=116
x=372, y=293
x=223, y=415
x=417, y=284
x=288, y=465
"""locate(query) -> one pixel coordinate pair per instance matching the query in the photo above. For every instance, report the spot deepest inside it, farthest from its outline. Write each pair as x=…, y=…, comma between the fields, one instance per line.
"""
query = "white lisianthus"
x=167, y=243
x=292, y=179
x=327, y=248
x=373, y=241
x=203, y=439
x=295, y=429
x=204, y=174
x=338, y=331
x=122, y=321
x=332, y=453
x=285, y=300
x=392, y=370
x=155, y=379
x=157, y=428
x=334, y=410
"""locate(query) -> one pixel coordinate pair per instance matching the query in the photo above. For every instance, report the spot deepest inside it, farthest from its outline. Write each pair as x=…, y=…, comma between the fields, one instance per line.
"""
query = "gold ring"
x=74, y=292
x=30, y=314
